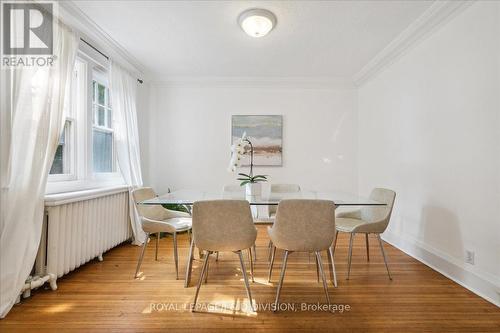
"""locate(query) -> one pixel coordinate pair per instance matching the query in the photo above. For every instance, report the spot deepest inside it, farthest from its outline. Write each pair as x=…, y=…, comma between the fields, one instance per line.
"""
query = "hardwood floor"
x=104, y=296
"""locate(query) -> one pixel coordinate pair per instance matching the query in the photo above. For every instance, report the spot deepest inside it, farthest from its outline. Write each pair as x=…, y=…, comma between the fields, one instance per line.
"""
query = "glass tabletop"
x=188, y=197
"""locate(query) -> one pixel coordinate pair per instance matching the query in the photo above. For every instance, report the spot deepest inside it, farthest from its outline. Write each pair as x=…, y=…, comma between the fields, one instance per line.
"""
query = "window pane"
x=101, y=115
x=101, y=92
x=57, y=165
x=93, y=91
x=102, y=151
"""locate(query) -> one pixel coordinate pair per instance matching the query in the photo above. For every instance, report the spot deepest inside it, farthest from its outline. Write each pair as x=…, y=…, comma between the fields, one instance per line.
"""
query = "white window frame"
x=100, y=78
x=82, y=175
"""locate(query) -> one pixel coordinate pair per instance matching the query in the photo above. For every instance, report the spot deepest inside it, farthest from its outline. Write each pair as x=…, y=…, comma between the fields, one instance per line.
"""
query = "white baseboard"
x=479, y=283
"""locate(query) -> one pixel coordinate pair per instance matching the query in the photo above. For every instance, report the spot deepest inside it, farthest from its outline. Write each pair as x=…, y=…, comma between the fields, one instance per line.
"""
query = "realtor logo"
x=27, y=28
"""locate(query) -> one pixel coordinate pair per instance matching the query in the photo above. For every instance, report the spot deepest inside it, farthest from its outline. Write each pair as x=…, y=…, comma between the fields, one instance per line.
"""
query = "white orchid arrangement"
x=238, y=149
x=237, y=152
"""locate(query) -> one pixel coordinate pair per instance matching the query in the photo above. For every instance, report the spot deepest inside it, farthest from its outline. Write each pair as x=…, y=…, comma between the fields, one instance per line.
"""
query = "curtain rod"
x=105, y=56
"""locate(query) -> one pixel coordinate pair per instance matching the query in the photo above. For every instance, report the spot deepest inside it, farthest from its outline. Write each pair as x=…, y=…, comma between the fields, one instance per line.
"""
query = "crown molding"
x=435, y=16
x=73, y=16
x=337, y=83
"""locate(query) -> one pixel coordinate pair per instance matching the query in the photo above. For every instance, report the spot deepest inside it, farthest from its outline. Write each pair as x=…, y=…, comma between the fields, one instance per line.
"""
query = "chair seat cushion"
x=180, y=223
x=347, y=224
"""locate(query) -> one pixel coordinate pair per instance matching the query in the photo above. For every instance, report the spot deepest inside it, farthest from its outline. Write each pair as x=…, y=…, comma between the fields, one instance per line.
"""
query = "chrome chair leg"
x=251, y=263
x=282, y=276
x=176, y=257
x=189, y=265
x=350, y=256
x=141, y=256
x=157, y=244
x=367, y=248
x=333, y=273
x=383, y=254
x=200, y=280
x=273, y=255
x=335, y=241
x=317, y=267
x=270, y=249
x=245, y=279
x=323, y=277
x=206, y=272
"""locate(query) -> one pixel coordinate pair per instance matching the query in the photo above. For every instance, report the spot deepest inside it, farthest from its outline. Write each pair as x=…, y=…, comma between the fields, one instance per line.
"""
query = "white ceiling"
x=324, y=39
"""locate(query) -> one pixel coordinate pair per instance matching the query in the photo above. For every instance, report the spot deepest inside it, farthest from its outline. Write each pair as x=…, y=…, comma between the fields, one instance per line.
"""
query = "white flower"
x=237, y=152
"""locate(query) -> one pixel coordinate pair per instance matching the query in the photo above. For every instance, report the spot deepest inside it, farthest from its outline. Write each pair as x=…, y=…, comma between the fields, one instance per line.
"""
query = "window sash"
x=106, y=125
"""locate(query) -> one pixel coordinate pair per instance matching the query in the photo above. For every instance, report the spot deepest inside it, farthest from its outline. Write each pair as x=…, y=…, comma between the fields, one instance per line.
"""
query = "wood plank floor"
x=104, y=296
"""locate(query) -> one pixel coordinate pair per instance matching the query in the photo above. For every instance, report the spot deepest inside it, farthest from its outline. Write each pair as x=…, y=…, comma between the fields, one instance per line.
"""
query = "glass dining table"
x=259, y=204
x=189, y=197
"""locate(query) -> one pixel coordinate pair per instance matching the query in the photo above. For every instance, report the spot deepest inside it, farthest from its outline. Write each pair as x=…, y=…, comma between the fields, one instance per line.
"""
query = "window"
x=85, y=156
x=102, y=129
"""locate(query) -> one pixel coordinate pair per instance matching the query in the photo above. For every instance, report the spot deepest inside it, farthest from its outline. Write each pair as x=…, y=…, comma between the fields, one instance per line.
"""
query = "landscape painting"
x=266, y=135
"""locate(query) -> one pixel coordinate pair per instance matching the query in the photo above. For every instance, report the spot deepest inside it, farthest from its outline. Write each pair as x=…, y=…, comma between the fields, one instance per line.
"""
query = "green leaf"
x=243, y=174
x=244, y=183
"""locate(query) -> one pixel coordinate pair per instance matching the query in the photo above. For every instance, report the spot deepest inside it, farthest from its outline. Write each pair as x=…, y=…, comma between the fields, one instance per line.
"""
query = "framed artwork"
x=266, y=135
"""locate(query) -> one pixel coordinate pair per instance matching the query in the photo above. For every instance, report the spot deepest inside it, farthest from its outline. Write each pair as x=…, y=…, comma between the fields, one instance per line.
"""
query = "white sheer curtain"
x=32, y=115
x=123, y=89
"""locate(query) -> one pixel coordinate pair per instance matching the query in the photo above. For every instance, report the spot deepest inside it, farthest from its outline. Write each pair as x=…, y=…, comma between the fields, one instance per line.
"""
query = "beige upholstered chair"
x=223, y=225
x=367, y=220
x=236, y=192
x=304, y=226
x=233, y=189
x=281, y=188
x=156, y=219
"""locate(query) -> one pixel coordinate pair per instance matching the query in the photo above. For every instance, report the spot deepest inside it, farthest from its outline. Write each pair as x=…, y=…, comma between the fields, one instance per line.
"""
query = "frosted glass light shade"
x=257, y=22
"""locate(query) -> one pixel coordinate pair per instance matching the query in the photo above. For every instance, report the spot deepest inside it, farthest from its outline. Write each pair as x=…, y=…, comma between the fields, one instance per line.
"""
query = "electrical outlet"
x=469, y=257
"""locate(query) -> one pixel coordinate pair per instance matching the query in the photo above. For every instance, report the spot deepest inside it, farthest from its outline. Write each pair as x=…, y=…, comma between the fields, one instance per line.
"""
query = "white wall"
x=429, y=127
x=190, y=134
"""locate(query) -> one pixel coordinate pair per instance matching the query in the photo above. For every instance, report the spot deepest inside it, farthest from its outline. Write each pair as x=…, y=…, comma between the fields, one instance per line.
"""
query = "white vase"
x=253, y=190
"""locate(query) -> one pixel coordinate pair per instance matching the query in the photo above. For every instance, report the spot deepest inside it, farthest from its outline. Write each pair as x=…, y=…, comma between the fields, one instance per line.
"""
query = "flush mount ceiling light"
x=257, y=22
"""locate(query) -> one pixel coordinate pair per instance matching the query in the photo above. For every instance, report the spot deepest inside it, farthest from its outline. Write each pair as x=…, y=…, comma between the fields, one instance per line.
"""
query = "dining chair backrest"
x=282, y=188
x=223, y=225
x=233, y=188
x=379, y=214
x=304, y=225
x=152, y=212
x=285, y=188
